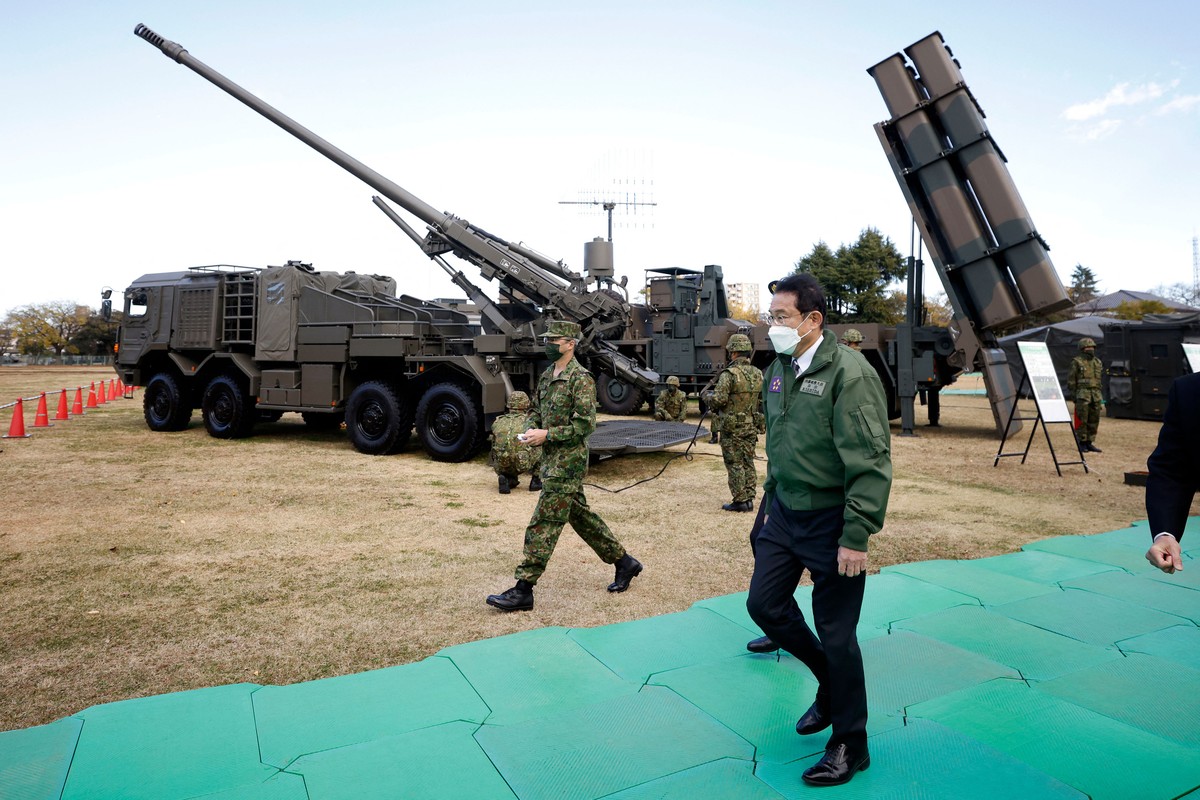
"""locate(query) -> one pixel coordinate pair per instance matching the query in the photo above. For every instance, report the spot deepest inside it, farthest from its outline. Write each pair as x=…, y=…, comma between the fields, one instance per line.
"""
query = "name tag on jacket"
x=810, y=386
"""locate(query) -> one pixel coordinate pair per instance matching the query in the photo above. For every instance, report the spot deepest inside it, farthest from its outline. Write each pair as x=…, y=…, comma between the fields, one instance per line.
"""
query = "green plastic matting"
x=1102, y=757
x=1066, y=670
x=1035, y=653
x=335, y=712
x=596, y=750
x=528, y=675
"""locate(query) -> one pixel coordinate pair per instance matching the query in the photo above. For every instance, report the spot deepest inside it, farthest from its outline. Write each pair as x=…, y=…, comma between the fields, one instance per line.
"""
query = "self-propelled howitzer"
x=538, y=287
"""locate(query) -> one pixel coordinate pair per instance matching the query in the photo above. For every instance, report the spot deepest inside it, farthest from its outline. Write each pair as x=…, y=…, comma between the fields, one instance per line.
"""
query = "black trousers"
x=789, y=543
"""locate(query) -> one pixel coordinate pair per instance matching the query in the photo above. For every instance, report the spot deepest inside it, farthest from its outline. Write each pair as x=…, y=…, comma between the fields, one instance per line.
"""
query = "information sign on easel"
x=1048, y=398
x=1192, y=351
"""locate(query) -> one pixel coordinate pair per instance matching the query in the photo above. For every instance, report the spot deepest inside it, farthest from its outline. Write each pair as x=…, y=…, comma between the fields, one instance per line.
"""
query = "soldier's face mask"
x=553, y=349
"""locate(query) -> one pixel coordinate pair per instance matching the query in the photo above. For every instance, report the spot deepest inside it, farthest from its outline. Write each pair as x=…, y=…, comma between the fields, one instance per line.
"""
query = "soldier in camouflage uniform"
x=1083, y=381
x=853, y=339
x=562, y=418
x=736, y=399
x=510, y=457
x=671, y=405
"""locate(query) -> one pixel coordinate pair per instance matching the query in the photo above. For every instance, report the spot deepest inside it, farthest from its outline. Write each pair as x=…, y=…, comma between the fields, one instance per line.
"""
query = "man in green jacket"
x=829, y=474
x=561, y=420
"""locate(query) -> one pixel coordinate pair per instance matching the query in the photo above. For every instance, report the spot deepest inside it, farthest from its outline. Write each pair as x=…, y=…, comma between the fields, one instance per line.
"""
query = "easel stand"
x=1037, y=419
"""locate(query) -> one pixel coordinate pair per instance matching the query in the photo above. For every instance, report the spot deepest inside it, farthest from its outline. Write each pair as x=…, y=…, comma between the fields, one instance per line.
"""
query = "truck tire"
x=449, y=423
x=378, y=420
x=616, y=396
x=227, y=409
x=163, y=404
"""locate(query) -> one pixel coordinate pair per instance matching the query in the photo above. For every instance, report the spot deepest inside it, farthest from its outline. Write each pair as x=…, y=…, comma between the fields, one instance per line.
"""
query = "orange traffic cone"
x=91, y=403
x=41, y=419
x=77, y=406
x=102, y=398
x=16, y=429
x=62, y=406
x=121, y=388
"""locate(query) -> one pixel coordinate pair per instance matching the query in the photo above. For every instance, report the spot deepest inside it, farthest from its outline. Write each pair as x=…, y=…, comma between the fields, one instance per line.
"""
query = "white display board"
x=1192, y=351
x=1047, y=392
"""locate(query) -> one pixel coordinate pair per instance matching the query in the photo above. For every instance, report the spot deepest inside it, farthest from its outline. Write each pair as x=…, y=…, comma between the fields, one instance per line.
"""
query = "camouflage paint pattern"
x=736, y=396
x=670, y=406
x=565, y=406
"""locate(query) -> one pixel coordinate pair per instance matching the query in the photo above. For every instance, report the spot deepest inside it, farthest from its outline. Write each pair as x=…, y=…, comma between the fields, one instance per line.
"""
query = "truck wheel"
x=320, y=421
x=163, y=404
x=228, y=411
x=449, y=423
x=378, y=420
x=616, y=396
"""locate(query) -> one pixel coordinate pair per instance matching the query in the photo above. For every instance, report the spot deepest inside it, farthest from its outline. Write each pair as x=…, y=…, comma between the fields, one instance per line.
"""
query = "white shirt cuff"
x=1165, y=533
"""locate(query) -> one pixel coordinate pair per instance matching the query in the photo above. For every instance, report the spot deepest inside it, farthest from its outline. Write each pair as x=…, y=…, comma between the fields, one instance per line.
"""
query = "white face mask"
x=785, y=339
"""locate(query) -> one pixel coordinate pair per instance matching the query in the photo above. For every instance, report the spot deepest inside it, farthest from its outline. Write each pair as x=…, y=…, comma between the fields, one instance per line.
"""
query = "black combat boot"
x=628, y=568
x=535, y=483
x=504, y=488
x=739, y=505
x=518, y=598
x=715, y=438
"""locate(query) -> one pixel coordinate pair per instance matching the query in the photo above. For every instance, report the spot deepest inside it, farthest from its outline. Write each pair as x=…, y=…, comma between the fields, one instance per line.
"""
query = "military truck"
x=246, y=345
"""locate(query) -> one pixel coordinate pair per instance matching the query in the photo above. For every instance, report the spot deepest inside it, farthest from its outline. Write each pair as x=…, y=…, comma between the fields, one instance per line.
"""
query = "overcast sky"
x=749, y=124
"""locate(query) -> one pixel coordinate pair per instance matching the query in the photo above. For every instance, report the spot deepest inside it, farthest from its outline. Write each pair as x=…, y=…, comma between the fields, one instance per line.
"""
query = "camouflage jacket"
x=565, y=406
x=1084, y=375
x=736, y=398
x=510, y=457
x=671, y=405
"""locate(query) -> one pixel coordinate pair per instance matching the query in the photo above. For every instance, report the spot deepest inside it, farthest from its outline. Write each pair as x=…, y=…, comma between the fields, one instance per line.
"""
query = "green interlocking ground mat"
x=1067, y=669
x=763, y=710
x=1087, y=616
x=1161, y=595
x=636, y=650
x=1035, y=653
x=596, y=750
x=34, y=762
x=725, y=778
x=971, y=578
x=530, y=674
x=443, y=762
x=1180, y=644
x=926, y=760
x=1038, y=567
x=334, y=712
x=171, y=745
x=1138, y=690
x=1104, y=758
x=906, y=668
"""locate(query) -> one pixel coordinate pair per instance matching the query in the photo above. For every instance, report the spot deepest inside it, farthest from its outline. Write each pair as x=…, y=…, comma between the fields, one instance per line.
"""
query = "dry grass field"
x=136, y=563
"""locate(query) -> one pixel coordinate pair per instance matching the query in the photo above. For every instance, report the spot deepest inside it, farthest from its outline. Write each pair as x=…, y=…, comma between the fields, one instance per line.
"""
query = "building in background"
x=744, y=296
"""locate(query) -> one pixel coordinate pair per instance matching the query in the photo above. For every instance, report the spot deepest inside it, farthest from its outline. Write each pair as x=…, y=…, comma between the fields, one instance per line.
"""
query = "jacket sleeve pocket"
x=874, y=438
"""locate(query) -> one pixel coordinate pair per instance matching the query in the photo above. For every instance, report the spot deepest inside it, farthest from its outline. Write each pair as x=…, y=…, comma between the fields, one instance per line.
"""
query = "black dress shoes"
x=628, y=568
x=741, y=505
x=837, y=766
x=762, y=644
x=814, y=720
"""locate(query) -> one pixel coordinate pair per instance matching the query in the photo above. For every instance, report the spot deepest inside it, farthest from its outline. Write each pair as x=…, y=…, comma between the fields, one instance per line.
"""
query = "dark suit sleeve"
x=1174, y=478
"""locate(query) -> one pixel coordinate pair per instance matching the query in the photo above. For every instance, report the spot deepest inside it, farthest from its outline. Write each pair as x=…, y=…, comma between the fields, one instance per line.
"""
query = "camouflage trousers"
x=737, y=450
x=1087, y=409
x=554, y=510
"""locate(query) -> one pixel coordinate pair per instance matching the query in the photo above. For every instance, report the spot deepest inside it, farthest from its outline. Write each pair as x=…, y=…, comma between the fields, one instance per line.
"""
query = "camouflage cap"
x=739, y=343
x=518, y=401
x=852, y=335
x=1086, y=342
x=673, y=381
x=562, y=329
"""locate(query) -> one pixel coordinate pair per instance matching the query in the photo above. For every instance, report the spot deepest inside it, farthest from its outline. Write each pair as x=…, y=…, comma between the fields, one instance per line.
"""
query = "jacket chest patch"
x=810, y=386
x=776, y=385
